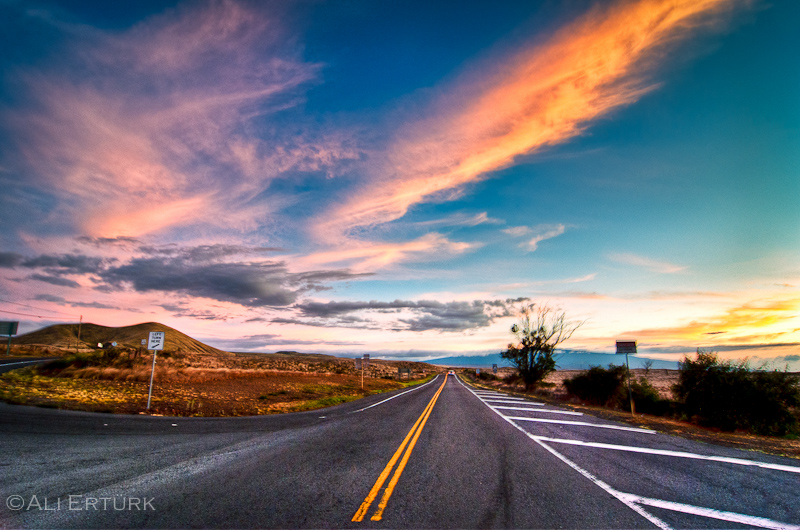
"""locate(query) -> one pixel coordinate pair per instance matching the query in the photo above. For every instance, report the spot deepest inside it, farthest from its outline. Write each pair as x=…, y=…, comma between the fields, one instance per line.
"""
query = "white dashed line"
x=529, y=409
x=633, y=501
x=517, y=402
x=664, y=452
x=747, y=520
x=583, y=424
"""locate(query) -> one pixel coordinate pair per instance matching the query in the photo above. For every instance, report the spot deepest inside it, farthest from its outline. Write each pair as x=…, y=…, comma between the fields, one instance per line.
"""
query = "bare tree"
x=539, y=331
x=647, y=365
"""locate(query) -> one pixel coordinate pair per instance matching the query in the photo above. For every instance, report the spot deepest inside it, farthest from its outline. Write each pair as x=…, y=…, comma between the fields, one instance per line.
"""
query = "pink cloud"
x=368, y=256
x=154, y=132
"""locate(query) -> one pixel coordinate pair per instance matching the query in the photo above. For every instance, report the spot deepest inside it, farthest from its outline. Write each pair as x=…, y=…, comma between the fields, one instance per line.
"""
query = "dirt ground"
x=661, y=379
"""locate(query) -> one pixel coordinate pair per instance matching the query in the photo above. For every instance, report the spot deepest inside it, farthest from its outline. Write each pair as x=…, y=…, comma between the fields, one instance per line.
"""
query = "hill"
x=65, y=336
x=565, y=361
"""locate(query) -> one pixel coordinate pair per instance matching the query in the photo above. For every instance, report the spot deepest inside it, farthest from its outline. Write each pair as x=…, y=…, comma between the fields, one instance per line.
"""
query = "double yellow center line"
x=412, y=436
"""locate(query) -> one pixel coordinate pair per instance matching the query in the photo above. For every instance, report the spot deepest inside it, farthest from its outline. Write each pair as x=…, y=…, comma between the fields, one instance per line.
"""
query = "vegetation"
x=191, y=378
x=608, y=387
x=598, y=386
x=539, y=331
x=731, y=396
x=720, y=394
x=483, y=375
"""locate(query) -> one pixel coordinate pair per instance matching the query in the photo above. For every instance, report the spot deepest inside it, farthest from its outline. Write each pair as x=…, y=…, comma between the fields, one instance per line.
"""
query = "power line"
x=34, y=307
x=23, y=314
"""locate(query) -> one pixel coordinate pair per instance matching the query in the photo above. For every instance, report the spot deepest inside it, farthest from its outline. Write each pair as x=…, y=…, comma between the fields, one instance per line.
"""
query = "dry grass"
x=199, y=385
x=236, y=394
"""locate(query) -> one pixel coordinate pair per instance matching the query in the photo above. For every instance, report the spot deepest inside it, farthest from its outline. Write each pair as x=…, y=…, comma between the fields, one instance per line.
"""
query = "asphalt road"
x=12, y=363
x=449, y=456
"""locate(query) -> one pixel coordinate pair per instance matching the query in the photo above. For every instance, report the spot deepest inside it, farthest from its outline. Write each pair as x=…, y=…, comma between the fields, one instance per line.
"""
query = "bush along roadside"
x=731, y=396
x=719, y=394
x=607, y=387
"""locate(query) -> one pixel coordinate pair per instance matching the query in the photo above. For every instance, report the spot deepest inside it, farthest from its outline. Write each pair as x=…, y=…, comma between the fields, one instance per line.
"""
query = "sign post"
x=364, y=364
x=155, y=342
x=627, y=347
x=8, y=328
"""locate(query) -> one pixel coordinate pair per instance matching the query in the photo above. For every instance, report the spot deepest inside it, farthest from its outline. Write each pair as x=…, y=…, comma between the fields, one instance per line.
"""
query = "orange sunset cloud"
x=540, y=96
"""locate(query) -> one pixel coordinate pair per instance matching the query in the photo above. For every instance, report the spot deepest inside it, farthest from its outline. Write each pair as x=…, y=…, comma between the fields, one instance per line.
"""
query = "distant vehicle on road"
x=451, y=372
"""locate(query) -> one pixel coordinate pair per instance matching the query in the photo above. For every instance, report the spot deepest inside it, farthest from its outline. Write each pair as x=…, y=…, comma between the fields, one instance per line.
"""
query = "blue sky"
x=399, y=177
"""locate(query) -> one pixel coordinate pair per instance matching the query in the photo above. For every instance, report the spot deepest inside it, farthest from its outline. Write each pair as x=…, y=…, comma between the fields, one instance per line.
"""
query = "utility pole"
x=80, y=322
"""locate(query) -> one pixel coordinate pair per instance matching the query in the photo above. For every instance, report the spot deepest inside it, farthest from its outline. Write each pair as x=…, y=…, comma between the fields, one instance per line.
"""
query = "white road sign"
x=155, y=340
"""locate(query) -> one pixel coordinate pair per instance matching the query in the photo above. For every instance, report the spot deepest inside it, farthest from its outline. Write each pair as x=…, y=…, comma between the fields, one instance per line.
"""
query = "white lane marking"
x=583, y=424
x=529, y=409
x=396, y=396
x=517, y=402
x=608, y=489
x=631, y=500
x=711, y=513
x=678, y=454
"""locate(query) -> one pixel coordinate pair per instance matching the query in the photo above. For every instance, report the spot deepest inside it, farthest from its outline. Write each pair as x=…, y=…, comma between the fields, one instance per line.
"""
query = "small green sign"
x=8, y=328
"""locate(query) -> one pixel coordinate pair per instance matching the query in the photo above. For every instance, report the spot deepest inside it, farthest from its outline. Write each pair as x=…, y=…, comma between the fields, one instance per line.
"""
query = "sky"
x=399, y=178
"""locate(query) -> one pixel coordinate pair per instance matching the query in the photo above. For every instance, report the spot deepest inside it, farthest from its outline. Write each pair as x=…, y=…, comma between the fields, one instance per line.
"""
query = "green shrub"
x=731, y=396
x=646, y=398
x=488, y=376
x=598, y=386
x=608, y=387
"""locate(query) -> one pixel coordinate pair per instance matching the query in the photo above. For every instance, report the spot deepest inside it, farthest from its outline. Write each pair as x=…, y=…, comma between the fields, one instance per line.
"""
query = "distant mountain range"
x=565, y=361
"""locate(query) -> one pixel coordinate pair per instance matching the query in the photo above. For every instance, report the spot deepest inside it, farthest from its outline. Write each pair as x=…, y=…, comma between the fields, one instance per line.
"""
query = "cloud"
x=93, y=305
x=58, y=299
x=55, y=266
x=61, y=263
x=209, y=271
x=10, y=260
x=205, y=253
x=101, y=242
x=425, y=314
x=153, y=127
x=65, y=263
x=516, y=231
x=255, y=284
x=48, y=298
x=757, y=322
x=262, y=342
x=460, y=219
x=54, y=280
x=542, y=232
x=539, y=95
x=363, y=255
x=662, y=267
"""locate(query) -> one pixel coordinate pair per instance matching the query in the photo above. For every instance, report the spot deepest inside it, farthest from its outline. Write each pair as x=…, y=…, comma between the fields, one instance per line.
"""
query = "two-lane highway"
x=442, y=455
